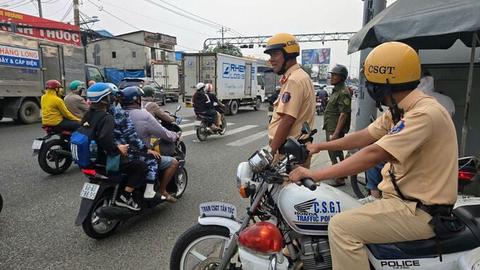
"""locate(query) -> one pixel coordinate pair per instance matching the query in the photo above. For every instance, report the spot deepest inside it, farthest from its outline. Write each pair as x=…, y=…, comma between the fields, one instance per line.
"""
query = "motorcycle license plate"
x=218, y=209
x=89, y=191
x=36, y=144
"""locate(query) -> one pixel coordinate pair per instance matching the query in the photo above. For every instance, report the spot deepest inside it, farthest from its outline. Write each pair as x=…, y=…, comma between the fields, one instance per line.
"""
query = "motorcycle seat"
x=52, y=130
x=466, y=239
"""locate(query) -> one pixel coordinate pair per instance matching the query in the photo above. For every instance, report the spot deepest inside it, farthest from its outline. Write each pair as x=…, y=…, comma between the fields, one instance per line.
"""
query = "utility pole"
x=366, y=107
x=76, y=13
x=223, y=30
x=40, y=8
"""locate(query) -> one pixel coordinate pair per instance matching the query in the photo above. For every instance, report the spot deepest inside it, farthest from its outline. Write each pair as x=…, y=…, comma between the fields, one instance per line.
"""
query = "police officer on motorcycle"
x=416, y=191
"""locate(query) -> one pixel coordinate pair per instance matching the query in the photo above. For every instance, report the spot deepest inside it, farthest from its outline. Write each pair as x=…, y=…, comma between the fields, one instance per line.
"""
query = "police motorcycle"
x=293, y=219
x=53, y=150
x=202, y=125
x=99, y=216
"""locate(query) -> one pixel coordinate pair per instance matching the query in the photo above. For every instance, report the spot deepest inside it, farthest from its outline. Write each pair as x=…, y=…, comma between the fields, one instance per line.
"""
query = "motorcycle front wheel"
x=200, y=247
x=49, y=158
x=359, y=185
x=178, y=184
x=96, y=227
x=202, y=133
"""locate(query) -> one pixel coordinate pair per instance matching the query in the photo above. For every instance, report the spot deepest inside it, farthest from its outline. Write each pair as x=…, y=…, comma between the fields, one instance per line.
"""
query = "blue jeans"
x=374, y=176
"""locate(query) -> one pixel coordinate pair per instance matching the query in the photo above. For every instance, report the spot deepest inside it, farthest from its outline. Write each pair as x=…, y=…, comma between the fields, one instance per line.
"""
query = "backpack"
x=82, y=145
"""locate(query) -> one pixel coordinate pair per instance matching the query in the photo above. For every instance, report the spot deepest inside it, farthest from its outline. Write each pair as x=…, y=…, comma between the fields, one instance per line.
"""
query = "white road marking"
x=194, y=131
x=240, y=129
x=249, y=139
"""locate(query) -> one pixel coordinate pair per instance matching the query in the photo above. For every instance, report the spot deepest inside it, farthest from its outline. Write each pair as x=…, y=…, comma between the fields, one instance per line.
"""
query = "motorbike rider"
x=54, y=111
x=100, y=96
x=152, y=107
x=74, y=102
x=148, y=127
x=415, y=191
x=296, y=102
x=203, y=105
x=217, y=105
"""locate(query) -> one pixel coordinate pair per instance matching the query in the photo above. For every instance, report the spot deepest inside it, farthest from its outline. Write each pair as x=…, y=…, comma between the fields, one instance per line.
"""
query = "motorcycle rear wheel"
x=224, y=126
x=46, y=156
x=96, y=227
x=199, y=247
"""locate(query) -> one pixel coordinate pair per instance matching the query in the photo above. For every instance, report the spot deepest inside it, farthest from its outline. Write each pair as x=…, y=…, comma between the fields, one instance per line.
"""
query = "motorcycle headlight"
x=260, y=160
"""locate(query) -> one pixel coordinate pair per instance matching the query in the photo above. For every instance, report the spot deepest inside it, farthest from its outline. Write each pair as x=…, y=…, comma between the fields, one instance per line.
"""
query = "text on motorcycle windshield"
x=294, y=148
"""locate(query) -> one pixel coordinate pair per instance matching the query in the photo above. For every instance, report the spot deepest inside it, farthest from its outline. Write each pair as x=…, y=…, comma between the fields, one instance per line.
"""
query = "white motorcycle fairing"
x=308, y=212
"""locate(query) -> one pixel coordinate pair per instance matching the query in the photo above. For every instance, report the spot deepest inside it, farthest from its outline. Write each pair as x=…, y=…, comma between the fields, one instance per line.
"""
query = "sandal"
x=168, y=198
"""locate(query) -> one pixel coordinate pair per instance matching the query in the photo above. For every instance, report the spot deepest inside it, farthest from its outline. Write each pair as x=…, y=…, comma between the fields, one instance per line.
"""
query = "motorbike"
x=321, y=103
x=467, y=174
x=293, y=219
x=53, y=150
x=99, y=216
x=179, y=148
x=202, y=125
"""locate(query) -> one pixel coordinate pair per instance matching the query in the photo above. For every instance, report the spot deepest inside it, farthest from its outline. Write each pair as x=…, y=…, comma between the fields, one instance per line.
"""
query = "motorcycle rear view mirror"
x=306, y=128
x=178, y=108
x=293, y=147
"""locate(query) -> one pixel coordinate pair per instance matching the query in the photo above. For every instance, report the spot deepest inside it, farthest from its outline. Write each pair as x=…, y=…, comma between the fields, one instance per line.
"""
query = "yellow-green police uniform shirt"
x=424, y=145
x=296, y=99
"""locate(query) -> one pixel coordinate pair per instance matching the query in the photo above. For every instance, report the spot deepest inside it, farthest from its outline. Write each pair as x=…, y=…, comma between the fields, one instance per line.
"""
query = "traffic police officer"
x=296, y=101
x=415, y=131
x=336, y=118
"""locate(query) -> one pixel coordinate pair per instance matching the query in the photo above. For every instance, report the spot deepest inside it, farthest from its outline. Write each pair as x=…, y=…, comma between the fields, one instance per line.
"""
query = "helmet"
x=200, y=86
x=208, y=87
x=392, y=63
x=98, y=91
x=340, y=70
x=287, y=43
x=76, y=85
x=131, y=94
x=148, y=91
x=114, y=88
x=53, y=84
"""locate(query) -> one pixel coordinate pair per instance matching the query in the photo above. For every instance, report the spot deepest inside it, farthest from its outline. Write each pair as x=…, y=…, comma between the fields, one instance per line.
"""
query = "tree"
x=226, y=49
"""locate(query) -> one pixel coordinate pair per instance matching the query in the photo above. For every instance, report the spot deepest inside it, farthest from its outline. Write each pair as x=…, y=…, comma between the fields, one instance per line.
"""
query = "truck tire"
x=233, y=109
x=258, y=104
x=29, y=112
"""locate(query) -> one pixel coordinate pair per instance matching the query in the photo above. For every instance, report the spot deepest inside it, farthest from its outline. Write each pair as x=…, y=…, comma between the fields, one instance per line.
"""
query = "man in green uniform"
x=336, y=121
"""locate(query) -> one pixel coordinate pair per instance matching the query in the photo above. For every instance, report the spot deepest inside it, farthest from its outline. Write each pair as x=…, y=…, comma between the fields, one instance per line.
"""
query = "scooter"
x=202, y=125
x=295, y=218
x=53, y=150
x=98, y=214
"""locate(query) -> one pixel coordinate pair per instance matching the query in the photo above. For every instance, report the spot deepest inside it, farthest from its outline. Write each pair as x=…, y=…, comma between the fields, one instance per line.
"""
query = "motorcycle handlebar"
x=308, y=183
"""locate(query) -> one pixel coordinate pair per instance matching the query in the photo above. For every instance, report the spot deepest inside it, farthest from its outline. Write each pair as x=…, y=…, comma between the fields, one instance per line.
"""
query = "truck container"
x=166, y=75
x=234, y=79
x=32, y=51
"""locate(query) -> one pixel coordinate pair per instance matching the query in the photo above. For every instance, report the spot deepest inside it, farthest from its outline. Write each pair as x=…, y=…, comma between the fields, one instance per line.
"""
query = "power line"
x=101, y=8
x=163, y=22
x=209, y=22
x=66, y=13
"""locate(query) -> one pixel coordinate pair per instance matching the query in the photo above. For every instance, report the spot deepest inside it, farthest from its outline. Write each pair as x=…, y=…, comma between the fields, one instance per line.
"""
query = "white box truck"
x=166, y=75
x=234, y=79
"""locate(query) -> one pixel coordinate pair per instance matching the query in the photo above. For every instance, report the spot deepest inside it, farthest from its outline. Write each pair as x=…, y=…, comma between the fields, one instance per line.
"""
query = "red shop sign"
x=39, y=28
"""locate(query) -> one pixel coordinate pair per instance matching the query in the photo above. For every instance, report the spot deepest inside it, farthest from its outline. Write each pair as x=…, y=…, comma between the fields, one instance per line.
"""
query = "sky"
x=243, y=17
